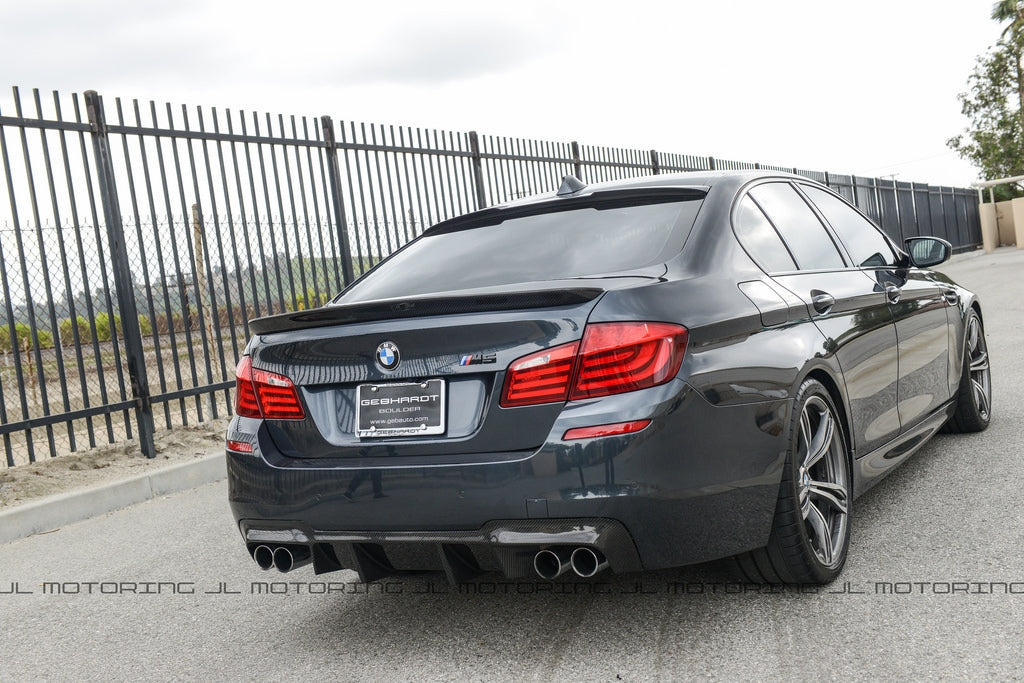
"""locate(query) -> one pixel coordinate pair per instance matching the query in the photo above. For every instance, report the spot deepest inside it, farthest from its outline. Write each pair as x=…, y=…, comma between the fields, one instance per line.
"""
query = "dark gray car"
x=632, y=375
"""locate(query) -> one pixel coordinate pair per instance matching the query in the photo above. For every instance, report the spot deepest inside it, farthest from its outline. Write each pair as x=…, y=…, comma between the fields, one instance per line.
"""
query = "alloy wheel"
x=822, y=481
x=981, y=376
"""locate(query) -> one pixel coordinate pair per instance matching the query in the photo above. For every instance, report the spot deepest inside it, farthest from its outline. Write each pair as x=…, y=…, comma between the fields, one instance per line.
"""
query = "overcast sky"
x=866, y=87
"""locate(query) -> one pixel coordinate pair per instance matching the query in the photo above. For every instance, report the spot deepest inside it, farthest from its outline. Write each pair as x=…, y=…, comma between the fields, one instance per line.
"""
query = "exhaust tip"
x=263, y=556
x=551, y=563
x=284, y=561
x=587, y=562
x=287, y=559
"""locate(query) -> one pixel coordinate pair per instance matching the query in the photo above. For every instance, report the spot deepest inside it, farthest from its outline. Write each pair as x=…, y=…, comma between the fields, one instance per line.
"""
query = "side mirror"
x=926, y=252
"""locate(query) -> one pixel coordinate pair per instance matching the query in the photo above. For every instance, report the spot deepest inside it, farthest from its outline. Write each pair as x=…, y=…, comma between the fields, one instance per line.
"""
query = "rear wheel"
x=811, y=528
x=974, y=397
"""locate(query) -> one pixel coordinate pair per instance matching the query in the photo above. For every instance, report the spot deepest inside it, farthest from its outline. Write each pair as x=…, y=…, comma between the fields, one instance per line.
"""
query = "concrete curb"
x=56, y=511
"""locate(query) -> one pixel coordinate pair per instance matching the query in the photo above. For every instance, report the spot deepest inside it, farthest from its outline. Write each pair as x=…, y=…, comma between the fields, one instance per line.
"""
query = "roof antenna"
x=570, y=185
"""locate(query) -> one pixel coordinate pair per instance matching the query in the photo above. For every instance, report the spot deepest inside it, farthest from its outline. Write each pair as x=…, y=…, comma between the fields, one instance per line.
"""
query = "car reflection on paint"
x=622, y=376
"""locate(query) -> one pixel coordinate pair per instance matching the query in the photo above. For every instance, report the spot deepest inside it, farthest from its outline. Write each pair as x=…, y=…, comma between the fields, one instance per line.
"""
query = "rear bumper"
x=698, y=484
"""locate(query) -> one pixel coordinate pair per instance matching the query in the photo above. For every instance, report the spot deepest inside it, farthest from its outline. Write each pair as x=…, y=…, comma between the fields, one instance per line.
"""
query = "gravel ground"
x=114, y=462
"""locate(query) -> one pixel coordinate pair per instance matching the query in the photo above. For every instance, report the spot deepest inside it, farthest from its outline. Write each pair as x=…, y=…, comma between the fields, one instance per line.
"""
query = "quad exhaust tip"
x=550, y=563
x=263, y=556
x=587, y=562
x=283, y=558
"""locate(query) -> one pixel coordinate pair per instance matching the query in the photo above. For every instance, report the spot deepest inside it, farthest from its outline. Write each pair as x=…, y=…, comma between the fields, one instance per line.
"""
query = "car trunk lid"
x=459, y=344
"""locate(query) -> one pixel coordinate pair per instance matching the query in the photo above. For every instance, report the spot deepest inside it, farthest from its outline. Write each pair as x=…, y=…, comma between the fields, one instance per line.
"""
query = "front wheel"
x=811, y=528
x=974, y=397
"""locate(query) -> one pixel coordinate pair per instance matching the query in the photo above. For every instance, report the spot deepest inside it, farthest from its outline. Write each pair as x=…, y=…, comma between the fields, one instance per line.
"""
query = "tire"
x=974, y=396
x=811, y=528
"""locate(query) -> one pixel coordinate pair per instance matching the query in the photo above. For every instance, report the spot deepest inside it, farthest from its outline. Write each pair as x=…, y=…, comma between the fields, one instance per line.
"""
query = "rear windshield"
x=590, y=240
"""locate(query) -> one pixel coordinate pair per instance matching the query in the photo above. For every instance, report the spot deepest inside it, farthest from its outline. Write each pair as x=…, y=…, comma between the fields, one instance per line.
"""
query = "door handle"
x=822, y=301
x=951, y=297
x=892, y=293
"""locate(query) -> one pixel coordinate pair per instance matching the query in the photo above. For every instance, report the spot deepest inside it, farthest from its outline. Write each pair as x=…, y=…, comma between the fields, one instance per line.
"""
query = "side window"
x=866, y=245
x=803, y=233
x=760, y=240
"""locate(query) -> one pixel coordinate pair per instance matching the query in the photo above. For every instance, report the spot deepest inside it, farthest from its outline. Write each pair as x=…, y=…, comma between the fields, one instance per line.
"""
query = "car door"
x=917, y=303
x=842, y=302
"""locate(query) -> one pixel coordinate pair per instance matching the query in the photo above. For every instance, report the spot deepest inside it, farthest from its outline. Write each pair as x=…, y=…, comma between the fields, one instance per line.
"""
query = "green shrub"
x=23, y=337
x=67, y=333
x=103, y=332
x=45, y=338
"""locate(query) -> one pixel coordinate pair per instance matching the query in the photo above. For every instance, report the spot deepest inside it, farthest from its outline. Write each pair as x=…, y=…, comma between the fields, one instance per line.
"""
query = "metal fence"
x=137, y=241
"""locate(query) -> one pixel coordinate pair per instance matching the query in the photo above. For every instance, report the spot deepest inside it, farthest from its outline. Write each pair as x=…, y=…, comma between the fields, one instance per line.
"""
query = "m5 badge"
x=479, y=359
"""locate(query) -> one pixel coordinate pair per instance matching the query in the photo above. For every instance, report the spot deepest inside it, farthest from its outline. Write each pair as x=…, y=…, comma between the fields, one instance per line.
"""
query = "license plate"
x=409, y=409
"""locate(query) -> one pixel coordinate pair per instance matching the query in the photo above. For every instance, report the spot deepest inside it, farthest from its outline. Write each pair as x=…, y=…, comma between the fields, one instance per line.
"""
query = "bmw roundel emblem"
x=388, y=356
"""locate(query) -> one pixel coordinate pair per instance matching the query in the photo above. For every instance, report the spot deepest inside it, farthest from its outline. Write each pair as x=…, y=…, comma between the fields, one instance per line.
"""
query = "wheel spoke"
x=979, y=363
x=980, y=396
x=821, y=531
x=805, y=432
x=822, y=440
x=834, y=494
x=972, y=336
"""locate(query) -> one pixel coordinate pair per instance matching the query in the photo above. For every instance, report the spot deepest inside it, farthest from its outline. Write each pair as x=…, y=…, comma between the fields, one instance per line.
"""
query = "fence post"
x=334, y=177
x=899, y=213
x=655, y=162
x=878, y=203
x=122, y=274
x=206, y=313
x=577, y=164
x=711, y=164
x=478, y=170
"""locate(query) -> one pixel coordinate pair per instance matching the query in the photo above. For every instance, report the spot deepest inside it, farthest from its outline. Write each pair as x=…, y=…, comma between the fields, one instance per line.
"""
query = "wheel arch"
x=839, y=400
x=971, y=304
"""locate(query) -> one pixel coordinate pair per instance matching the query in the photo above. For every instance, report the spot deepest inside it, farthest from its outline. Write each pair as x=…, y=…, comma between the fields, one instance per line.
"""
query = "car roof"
x=703, y=180
x=727, y=184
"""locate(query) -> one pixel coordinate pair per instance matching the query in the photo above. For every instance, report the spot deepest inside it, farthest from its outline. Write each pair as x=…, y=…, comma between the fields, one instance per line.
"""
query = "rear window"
x=586, y=240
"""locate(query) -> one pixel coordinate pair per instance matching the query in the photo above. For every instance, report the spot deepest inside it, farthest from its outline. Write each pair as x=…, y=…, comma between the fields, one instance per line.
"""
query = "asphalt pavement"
x=934, y=587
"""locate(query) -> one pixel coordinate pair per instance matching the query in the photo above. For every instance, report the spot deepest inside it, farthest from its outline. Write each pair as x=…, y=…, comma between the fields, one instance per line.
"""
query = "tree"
x=1013, y=12
x=994, y=103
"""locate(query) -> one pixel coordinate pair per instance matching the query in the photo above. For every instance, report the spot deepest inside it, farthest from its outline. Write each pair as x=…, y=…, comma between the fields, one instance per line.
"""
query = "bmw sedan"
x=618, y=377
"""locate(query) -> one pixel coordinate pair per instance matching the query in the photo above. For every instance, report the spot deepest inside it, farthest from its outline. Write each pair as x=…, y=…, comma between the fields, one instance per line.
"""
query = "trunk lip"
x=417, y=307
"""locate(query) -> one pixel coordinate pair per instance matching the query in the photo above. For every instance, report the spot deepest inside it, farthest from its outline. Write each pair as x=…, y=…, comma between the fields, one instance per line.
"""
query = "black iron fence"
x=137, y=241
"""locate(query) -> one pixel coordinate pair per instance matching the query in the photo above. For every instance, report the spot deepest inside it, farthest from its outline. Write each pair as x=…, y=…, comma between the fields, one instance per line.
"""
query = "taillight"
x=239, y=446
x=265, y=394
x=615, y=429
x=611, y=359
x=245, y=392
x=620, y=357
x=540, y=378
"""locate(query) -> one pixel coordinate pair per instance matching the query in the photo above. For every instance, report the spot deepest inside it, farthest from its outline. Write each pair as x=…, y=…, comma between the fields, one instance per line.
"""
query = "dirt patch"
x=105, y=464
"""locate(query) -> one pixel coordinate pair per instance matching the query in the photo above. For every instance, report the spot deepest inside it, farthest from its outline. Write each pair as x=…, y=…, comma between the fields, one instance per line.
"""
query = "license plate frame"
x=401, y=409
